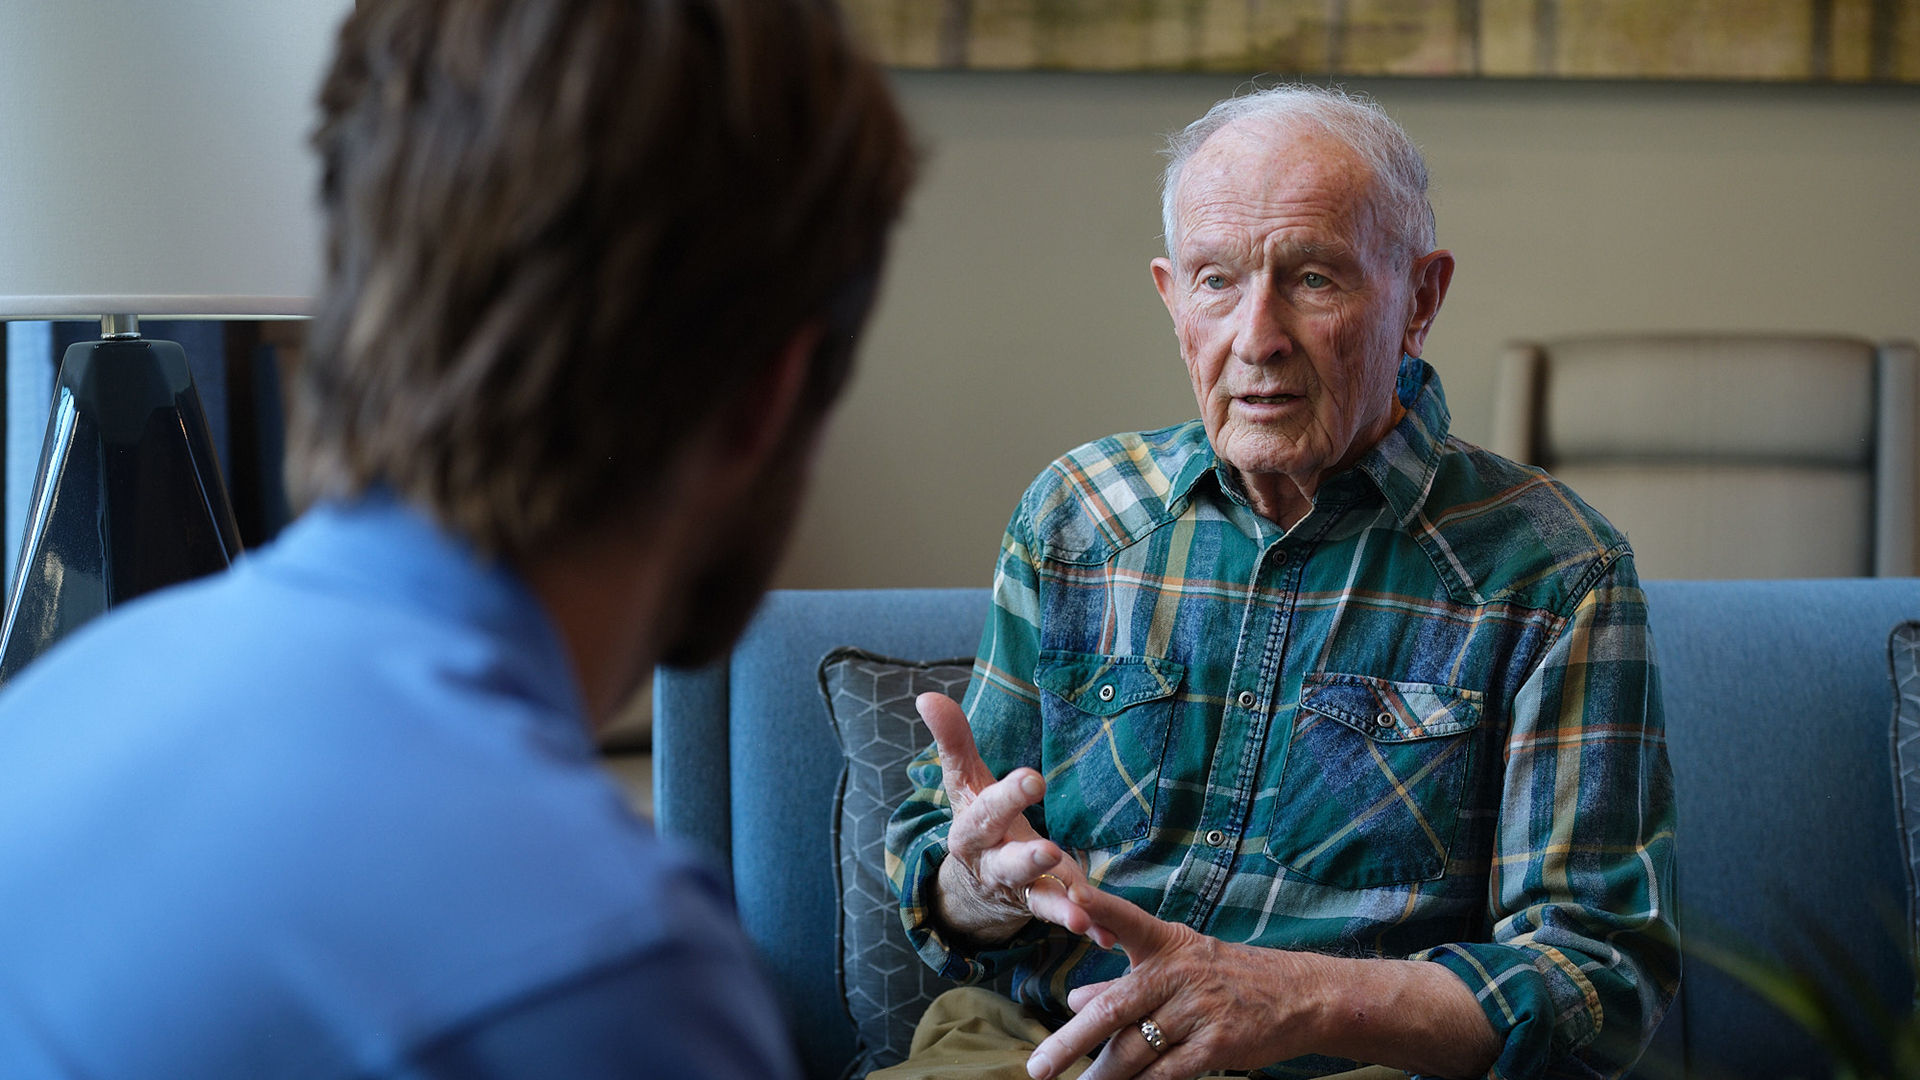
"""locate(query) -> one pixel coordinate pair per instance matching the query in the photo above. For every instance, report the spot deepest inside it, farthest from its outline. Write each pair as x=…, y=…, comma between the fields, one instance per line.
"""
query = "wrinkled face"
x=1292, y=303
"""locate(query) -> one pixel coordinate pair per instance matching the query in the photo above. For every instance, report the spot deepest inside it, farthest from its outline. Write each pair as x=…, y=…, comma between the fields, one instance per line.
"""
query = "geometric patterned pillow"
x=1903, y=650
x=883, y=982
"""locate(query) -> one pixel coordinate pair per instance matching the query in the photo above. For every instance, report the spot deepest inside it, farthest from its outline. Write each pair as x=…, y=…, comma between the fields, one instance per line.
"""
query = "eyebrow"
x=1288, y=252
x=1308, y=251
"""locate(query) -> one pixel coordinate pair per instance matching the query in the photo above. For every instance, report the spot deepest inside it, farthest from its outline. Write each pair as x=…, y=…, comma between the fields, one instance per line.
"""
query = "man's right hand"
x=994, y=855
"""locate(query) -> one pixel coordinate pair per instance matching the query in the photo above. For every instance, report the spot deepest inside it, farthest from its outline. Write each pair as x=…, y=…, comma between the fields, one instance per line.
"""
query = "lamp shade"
x=154, y=157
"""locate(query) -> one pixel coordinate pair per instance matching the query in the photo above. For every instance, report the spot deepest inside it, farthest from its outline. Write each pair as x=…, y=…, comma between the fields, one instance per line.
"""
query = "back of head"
x=561, y=232
x=1399, y=171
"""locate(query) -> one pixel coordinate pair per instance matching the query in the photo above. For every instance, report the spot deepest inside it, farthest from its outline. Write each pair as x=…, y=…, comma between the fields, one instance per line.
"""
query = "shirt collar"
x=1403, y=464
x=1400, y=467
x=378, y=546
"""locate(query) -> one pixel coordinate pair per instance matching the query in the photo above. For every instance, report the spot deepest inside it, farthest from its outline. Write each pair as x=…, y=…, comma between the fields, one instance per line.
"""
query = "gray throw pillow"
x=1903, y=650
x=883, y=982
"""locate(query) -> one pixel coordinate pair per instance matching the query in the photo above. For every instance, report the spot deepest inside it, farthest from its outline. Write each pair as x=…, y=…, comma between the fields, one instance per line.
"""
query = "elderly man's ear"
x=1431, y=275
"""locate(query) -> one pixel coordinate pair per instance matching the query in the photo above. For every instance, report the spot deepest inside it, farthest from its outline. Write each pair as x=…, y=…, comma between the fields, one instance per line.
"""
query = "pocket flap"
x=1392, y=711
x=1104, y=685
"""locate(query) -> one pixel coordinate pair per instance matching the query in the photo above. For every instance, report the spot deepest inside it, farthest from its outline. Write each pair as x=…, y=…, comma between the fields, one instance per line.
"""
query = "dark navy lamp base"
x=128, y=497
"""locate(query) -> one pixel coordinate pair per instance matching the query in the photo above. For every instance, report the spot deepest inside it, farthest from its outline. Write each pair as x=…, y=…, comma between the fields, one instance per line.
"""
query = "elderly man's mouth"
x=1268, y=399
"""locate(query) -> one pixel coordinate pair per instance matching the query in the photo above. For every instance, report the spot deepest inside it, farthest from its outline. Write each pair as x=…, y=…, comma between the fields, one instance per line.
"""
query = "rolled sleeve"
x=951, y=959
x=917, y=878
x=1585, y=955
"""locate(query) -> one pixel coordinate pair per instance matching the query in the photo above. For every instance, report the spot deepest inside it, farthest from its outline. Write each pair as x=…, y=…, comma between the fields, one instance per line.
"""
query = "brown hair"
x=562, y=232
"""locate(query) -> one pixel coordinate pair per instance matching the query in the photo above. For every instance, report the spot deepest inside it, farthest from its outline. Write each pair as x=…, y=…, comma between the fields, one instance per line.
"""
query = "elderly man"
x=1306, y=734
x=595, y=269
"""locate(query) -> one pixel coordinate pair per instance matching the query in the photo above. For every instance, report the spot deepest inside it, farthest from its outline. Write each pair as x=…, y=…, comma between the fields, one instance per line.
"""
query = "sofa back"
x=1779, y=710
x=746, y=765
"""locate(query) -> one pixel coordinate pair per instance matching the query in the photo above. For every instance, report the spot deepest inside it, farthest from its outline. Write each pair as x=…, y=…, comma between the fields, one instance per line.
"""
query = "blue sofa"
x=1779, y=709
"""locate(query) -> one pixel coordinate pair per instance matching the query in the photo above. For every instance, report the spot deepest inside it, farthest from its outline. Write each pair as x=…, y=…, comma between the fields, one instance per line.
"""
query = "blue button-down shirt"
x=336, y=813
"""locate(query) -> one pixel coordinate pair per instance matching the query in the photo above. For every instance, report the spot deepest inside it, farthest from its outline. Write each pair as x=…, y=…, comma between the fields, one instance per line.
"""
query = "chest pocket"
x=1104, y=723
x=1373, y=782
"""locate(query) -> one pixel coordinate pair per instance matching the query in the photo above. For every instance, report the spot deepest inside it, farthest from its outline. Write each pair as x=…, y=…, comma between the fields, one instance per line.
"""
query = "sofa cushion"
x=883, y=983
x=1904, y=651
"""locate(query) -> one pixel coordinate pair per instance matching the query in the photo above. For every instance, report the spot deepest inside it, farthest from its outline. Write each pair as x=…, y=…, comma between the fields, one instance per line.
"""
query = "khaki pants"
x=976, y=1034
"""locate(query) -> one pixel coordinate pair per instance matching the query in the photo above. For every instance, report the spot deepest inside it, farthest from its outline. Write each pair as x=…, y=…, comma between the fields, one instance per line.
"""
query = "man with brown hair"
x=595, y=270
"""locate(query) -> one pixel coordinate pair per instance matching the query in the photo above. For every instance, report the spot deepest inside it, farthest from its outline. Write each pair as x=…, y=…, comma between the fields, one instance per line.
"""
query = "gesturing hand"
x=1211, y=1001
x=1222, y=1006
x=996, y=862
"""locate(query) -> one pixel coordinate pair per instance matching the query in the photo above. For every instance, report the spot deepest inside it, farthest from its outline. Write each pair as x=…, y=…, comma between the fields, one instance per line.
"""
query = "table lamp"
x=153, y=162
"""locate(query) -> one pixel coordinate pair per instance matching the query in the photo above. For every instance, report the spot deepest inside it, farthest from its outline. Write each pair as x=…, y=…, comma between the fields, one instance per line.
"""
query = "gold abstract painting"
x=1769, y=40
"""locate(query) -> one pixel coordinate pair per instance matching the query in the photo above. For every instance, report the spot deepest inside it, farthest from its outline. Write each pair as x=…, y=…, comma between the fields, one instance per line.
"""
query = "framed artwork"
x=1737, y=40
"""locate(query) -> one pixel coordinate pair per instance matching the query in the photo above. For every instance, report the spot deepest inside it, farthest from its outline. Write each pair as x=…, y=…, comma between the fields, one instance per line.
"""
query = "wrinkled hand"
x=1223, y=1006
x=993, y=852
x=1220, y=1006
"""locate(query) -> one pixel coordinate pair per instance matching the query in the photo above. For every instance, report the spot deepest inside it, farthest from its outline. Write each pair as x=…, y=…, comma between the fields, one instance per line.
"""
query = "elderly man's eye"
x=1315, y=281
x=1214, y=281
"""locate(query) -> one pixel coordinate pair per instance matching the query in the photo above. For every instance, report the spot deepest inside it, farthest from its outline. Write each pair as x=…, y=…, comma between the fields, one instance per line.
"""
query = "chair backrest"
x=1727, y=456
x=746, y=765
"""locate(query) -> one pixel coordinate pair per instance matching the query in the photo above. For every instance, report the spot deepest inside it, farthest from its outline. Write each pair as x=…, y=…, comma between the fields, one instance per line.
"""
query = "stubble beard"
x=727, y=586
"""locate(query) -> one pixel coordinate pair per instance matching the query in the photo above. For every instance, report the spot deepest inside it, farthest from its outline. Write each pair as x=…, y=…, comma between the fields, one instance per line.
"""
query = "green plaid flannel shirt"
x=1424, y=722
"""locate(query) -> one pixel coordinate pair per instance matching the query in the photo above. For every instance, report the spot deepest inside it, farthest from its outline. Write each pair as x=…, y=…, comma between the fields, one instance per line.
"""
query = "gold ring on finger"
x=1043, y=877
x=1156, y=1038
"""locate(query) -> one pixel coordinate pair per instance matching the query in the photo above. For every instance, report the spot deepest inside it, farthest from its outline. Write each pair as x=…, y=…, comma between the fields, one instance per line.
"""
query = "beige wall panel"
x=1852, y=39
x=1906, y=48
x=1761, y=39
x=908, y=32
x=1508, y=45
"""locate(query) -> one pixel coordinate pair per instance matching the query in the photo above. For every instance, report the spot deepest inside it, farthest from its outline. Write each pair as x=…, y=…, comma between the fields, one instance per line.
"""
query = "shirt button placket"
x=1233, y=779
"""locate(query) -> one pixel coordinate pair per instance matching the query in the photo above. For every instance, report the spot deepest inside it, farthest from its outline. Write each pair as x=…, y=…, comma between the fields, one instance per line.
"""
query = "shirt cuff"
x=950, y=959
x=1541, y=1006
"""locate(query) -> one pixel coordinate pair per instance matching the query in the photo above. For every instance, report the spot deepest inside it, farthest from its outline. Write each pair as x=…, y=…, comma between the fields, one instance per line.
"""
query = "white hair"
x=1399, y=172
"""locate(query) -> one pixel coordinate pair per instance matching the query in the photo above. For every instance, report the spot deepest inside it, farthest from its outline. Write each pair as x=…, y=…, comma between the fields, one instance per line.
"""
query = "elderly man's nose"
x=1262, y=333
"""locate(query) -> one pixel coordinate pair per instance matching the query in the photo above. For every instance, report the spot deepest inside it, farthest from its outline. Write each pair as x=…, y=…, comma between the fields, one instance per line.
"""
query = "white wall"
x=1018, y=318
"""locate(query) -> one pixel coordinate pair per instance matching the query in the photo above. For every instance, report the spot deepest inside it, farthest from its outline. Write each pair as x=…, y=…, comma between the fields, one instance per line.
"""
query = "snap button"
x=1280, y=558
x=1246, y=699
x=1384, y=720
x=1106, y=692
x=1216, y=838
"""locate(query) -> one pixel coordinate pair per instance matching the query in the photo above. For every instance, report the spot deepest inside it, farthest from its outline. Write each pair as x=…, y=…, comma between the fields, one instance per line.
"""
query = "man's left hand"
x=1218, y=1006
x=1225, y=1006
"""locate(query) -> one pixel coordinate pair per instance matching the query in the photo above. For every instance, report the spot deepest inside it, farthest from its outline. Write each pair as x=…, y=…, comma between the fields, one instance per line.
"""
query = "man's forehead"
x=1248, y=171
x=1258, y=154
